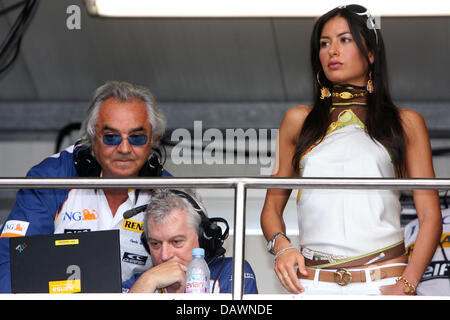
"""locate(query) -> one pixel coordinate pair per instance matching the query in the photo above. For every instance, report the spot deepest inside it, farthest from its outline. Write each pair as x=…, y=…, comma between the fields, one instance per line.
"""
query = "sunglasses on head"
x=361, y=11
x=116, y=139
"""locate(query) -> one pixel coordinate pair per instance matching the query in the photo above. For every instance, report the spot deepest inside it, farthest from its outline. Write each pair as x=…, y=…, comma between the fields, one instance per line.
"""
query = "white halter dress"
x=345, y=223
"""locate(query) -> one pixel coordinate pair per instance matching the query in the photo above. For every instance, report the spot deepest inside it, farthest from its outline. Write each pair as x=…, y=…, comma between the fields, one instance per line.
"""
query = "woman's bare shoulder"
x=297, y=114
x=410, y=115
x=292, y=123
x=414, y=125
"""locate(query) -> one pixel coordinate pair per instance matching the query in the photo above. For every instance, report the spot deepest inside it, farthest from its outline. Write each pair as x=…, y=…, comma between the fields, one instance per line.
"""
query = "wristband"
x=279, y=253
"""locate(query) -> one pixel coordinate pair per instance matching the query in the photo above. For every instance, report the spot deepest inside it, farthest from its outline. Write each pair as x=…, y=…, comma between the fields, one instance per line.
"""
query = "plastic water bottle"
x=197, y=275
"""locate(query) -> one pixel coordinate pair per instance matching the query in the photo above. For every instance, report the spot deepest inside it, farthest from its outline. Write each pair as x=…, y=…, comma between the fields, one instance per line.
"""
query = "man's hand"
x=167, y=274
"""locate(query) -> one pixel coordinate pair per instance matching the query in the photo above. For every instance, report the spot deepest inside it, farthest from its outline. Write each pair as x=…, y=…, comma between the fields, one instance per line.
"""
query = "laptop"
x=85, y=262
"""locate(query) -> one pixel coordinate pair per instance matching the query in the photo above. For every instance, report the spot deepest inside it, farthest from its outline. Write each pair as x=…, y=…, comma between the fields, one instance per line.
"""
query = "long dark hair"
x=383, y=121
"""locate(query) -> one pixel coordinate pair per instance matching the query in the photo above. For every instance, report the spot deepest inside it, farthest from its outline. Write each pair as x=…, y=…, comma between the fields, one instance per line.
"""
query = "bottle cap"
x=198, y=252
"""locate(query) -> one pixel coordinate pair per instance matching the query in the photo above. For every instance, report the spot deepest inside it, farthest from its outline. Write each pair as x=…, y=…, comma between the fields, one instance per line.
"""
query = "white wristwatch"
x=271, y=243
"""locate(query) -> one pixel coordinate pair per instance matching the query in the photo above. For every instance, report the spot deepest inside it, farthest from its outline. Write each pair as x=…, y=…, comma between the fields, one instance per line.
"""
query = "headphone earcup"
x=85, y=163
x=211, y=239
x=152, y=168
x=213, y=230
x=145, y=243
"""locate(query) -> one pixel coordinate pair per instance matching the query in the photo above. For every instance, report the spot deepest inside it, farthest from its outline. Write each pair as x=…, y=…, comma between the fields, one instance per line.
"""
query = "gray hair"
x=122, y=91
x=163, y=201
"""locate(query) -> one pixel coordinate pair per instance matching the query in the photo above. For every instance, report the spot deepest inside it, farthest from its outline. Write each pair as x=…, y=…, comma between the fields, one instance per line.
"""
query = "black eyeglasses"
x=116, y=139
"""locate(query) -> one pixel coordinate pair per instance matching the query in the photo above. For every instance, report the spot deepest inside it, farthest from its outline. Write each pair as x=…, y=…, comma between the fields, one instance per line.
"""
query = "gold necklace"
x=348, y=95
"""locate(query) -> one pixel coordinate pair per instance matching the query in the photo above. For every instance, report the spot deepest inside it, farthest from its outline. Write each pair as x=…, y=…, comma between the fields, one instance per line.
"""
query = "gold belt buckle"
x=342, y=277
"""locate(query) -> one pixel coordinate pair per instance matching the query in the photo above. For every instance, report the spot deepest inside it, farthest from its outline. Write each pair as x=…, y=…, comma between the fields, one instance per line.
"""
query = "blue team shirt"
x=221, y=271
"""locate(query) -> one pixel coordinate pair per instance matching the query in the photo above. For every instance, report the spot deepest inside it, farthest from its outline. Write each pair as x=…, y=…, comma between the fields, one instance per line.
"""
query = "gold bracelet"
x=410, y=289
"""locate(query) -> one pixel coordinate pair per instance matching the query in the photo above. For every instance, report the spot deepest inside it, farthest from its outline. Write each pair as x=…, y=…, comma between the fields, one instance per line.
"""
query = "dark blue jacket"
x=38, y=207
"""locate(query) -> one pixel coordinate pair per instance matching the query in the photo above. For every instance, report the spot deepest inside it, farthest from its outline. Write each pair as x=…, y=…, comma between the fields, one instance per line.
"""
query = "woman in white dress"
x=351, y=241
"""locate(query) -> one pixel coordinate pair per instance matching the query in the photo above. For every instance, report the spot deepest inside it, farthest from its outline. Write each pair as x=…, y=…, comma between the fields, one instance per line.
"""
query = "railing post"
x=239, y=241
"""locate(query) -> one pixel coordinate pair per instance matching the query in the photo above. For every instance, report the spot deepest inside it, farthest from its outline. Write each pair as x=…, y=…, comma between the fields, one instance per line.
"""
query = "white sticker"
x=15, y=228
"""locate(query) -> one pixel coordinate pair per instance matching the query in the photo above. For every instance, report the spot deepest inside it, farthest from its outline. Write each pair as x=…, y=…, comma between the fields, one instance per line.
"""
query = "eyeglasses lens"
x=116, y=139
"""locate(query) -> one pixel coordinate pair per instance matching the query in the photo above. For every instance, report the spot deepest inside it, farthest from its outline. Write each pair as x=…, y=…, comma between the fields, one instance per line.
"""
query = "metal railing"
x=240, y=185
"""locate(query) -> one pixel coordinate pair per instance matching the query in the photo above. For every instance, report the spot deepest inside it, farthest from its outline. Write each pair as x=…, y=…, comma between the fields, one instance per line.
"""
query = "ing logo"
x=80, y=216
x=87, y=215
x=15, y=228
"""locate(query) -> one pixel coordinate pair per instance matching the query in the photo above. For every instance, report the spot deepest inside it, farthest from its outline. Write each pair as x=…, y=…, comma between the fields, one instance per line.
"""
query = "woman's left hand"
x=397, y=289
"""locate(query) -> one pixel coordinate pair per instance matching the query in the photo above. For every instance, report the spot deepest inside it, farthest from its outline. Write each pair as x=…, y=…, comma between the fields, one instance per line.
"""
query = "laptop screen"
x=86, y=262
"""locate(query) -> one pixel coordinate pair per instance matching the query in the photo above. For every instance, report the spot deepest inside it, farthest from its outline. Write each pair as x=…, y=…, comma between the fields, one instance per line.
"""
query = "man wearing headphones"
x=176, y=223
x=119, y=134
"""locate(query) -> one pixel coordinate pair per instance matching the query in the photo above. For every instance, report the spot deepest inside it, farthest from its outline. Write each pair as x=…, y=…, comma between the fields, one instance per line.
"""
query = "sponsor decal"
x=15, y=228
x=133, y=225
x=80, y=215
x=134, y=258
x=437, y=270
x=76, y=230
x=64, y=286
x=21, y=247
x=409, y=250
x=67, y=242
x=445, y=242
x=134, y=241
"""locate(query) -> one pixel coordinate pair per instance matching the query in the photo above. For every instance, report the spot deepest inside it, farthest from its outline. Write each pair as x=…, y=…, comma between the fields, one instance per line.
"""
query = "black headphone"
x=211, y=237
x=87, y=166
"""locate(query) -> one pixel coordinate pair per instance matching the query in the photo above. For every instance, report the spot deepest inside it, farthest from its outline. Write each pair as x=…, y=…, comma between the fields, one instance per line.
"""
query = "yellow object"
x=65, y=286
x=67, y=242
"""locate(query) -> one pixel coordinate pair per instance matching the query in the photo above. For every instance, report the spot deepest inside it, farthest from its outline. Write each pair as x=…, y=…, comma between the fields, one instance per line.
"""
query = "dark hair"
x=383, y=121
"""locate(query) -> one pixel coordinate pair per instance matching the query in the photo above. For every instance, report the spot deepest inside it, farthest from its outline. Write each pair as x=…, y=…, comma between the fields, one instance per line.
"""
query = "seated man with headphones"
x=175, y=223
x=119, y=137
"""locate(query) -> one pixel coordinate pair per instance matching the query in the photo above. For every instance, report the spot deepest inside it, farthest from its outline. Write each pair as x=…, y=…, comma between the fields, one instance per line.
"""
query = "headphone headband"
x=87, y=166
x=210, y=236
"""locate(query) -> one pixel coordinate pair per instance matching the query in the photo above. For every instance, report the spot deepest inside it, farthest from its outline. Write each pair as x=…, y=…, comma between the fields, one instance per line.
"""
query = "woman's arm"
x=419, y=164
x=272, y=214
